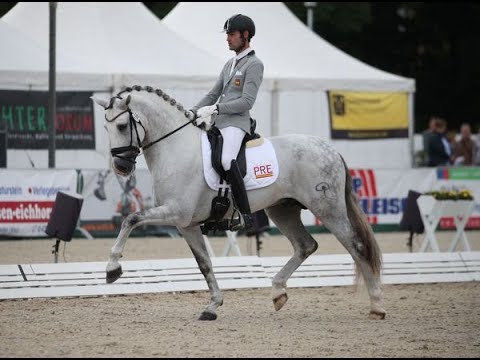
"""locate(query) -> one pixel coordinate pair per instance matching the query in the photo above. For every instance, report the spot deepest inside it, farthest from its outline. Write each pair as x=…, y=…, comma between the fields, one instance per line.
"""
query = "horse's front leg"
x=160, y=215
x=195, y=240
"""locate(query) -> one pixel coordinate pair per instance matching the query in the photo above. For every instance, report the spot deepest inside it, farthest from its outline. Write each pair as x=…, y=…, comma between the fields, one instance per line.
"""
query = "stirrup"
x=243, y=222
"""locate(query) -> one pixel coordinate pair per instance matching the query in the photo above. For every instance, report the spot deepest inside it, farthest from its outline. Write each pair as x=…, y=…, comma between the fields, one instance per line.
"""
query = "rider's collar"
x=243, y=53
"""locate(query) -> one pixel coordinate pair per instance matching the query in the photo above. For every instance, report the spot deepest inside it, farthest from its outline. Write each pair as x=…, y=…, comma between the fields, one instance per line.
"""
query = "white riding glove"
x=204, y=116
x=207, y=111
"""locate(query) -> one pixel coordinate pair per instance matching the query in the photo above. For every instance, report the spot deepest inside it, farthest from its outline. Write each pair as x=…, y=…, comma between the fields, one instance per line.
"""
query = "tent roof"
x=112, y=38
x=20, y=52
x=289, y=50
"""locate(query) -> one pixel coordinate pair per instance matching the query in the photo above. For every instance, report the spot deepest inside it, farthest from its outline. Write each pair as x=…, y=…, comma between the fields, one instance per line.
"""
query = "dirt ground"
x=423, y=320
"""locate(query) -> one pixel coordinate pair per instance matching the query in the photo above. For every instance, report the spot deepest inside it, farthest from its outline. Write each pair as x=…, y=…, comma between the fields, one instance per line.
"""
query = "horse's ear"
x=129, y=97
x=100, y=101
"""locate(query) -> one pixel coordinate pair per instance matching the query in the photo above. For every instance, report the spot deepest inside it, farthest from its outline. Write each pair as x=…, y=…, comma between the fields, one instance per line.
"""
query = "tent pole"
x=411, y=129
x=51, y=88
x=274, y=126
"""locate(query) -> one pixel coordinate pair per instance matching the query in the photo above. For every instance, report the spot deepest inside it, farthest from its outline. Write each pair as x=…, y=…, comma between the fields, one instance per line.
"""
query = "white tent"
x=112, y=38
x=103, y=47
x=19, y=52
x=300, y=67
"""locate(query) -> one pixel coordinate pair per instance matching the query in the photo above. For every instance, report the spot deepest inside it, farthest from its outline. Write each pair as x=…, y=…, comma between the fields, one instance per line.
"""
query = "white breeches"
x=232, y=141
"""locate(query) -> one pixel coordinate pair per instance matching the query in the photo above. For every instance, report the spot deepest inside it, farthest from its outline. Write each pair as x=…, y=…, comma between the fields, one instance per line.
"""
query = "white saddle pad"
x=262, y=165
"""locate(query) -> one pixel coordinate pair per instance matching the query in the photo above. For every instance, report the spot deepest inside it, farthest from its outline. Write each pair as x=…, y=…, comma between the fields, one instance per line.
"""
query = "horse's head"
x=127, y=117
x=125, y=130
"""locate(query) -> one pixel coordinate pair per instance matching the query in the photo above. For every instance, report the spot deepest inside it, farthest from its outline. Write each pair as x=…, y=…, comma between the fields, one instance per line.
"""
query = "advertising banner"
x=368, y=115
x=459, y=178
x=27, y=198
x=108, y=198
x=25, y=116
x=383, y=193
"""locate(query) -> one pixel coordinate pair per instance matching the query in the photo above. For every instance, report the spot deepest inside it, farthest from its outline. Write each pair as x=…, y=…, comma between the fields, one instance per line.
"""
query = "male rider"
x=236, y=91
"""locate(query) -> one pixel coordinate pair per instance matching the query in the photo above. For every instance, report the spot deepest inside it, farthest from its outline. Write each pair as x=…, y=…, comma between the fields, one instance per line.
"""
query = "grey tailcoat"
x=236, y=93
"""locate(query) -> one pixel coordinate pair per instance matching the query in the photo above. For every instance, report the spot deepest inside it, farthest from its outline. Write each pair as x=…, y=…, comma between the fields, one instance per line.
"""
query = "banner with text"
x=25, y=115
x=27, y=198
x=368, y=115
x=108, y=198
x=383, y=193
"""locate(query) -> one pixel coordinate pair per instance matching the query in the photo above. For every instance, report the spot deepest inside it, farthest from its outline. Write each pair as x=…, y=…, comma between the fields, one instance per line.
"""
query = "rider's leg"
x=234, y=177
x=232, y=141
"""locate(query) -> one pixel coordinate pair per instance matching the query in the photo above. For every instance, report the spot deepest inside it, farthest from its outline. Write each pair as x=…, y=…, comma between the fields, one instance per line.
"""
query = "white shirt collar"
x=238, y=57
x=243, y=53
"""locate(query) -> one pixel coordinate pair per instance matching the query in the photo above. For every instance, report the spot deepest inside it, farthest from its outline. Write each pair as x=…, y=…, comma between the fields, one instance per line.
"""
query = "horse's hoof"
x=280, y=301
x=376, y=315
x=113, y=275
x=207, y=316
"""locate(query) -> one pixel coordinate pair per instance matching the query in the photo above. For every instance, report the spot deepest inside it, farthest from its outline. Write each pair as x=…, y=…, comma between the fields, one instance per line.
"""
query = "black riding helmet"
x=241, y=23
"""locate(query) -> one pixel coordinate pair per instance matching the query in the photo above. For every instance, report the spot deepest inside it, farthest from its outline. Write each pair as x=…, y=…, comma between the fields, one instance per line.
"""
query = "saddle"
x=216, y=142
x=221, y=203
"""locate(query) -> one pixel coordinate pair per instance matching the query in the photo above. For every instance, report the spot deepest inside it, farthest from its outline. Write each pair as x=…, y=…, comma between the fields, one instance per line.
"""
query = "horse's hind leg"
x=287, y=218
x=196, y=242
x=340, y=227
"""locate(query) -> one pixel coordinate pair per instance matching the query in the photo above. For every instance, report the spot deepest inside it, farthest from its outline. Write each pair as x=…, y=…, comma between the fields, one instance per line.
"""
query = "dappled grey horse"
x=312, y=175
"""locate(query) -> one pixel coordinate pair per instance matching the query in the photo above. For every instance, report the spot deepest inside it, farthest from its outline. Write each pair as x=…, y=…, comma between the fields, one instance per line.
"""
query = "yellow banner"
x=367, y=115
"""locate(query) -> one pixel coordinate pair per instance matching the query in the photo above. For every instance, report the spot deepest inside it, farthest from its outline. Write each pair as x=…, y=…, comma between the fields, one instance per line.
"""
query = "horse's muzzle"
x=124, y=163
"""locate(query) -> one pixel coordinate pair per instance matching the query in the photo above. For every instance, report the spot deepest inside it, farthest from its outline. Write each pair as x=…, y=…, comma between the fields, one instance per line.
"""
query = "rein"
x=165, y=136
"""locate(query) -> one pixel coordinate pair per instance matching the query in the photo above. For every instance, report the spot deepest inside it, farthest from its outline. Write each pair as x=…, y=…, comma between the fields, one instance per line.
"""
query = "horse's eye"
x=122, y=127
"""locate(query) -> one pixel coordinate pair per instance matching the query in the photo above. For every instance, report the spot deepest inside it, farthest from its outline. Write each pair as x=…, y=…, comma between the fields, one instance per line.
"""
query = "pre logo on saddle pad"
x=262, y=164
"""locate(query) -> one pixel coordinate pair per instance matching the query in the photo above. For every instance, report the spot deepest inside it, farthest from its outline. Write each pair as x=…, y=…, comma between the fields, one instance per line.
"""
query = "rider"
x=236, y=91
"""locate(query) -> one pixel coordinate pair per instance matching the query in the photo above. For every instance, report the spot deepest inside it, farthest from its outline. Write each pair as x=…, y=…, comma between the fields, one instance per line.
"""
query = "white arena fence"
x=23, y=281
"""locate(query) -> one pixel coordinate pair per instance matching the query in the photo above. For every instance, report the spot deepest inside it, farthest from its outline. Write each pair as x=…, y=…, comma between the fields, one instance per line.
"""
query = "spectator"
x=439, y=149
x=476, y=150
x=464, y=149
x=426, y=135
x=452, y=141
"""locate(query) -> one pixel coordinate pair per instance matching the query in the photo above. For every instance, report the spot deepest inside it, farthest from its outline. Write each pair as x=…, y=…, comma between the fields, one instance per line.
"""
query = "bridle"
x=130, y=152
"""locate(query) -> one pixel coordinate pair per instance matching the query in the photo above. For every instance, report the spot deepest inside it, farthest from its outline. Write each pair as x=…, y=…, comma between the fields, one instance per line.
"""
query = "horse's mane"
x=150, y=89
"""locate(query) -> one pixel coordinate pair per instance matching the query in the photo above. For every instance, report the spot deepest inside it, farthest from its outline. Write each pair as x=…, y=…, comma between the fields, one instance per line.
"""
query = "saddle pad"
x=262, y=165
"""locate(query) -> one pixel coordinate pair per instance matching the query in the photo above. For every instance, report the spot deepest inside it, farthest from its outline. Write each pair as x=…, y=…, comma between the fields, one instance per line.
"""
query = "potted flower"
x=451, y=194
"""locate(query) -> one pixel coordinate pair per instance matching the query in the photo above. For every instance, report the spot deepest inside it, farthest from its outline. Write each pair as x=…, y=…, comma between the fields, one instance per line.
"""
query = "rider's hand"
x=204, y=122
x=207, y=111
x=190, y=115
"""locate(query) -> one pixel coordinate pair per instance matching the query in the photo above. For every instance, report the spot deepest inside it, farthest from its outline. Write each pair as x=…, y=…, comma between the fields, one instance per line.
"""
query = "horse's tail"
x=370, y=250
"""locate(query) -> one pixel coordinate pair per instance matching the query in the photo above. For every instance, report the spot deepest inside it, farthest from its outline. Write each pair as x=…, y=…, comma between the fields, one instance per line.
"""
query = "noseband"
x=130, y=152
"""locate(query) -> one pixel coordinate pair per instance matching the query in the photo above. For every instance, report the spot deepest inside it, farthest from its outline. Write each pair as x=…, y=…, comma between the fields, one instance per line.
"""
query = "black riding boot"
x=234, y=177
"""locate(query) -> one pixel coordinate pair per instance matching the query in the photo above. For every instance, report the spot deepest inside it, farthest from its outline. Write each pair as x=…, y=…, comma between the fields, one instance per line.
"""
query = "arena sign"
x=368, y=115
x=25, y=116
x=27, y=198
x=382, y=193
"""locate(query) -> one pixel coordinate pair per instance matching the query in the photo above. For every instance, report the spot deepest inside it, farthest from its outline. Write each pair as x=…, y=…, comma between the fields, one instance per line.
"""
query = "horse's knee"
x=133, y=219
x=308, y=249
x=313, y=246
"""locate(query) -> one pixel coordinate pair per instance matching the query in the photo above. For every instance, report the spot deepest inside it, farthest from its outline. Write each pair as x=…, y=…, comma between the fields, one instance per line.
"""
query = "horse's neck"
x=178, y=151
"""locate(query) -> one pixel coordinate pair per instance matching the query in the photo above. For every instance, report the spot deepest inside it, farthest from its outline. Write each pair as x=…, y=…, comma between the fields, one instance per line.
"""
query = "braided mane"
x=150, y=89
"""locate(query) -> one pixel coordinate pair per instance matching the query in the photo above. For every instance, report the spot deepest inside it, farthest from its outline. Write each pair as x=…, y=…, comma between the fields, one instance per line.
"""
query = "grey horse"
x=312, y=175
